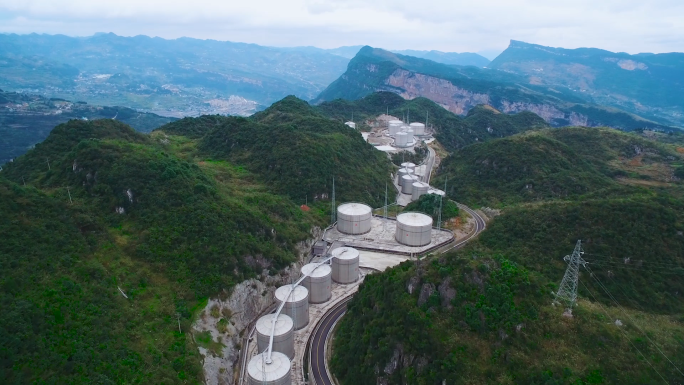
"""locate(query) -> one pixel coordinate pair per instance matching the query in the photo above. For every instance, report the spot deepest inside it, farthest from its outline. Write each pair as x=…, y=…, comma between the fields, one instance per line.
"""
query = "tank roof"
x=396, y=122
x=417, y=124
x=345, y=253
x=298, y=294
x=354, y=209
x=420, y=184
x=402, y=133
x=283, y=325
x=408, y=164
x=321, y=270
x=279, y=367
x=411, y=176
x=414, y=219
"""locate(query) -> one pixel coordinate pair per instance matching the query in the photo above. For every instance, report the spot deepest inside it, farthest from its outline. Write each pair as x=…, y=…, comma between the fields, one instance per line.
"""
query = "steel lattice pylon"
x=567, y=291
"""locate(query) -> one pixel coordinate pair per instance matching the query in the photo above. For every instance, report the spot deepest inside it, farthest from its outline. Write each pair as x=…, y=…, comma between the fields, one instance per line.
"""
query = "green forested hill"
x=158, y=218
x=484, y=314
x=139, y=215
x=298, y=151
x=573, y=162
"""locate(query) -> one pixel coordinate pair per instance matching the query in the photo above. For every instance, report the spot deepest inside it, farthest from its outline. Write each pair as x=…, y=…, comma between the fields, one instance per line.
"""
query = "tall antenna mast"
x=408, y=113
x=384, y=224
x=567, y=291
x=332, y=213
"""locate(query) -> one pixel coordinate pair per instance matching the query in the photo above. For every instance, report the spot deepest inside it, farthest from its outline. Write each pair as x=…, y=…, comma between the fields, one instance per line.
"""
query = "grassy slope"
x=485, y=314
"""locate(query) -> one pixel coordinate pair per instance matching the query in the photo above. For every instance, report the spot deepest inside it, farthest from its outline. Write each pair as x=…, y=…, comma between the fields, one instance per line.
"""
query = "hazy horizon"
x=485, y=28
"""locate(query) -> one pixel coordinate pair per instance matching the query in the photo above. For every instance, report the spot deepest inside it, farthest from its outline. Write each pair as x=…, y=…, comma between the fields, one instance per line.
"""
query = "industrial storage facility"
x=418, y=128
x=419, y=188
x=296, y=304
x=354, y=218
x=277, y=372
x=401, y=139
x=318, y=281
x=402, y=172
x=409, y=166
x=283, y=335
x=413, y=229
x=345, y=265
x=407, y=183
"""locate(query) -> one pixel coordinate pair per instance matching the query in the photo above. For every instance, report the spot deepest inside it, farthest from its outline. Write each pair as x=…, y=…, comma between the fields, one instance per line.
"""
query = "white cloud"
x=617, y=25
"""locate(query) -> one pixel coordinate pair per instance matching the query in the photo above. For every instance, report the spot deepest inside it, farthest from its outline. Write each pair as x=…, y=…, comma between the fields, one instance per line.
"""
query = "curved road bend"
x=319, y=339
x=318, y=342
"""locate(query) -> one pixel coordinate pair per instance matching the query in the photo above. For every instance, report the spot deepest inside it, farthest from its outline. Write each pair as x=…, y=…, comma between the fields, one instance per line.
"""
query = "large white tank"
x=354, y=218
x=419, y=188
x=275, y=373
x=283, y=336
x=296, y=304
x=409, y=136
x=418, y=128
x=318, y=282
x=345, y=265
x=413, y=229
x=394, y=126
x=402, y=172
x=407, y=183
x=400, y=139
x=409, y=166
x=405, y=127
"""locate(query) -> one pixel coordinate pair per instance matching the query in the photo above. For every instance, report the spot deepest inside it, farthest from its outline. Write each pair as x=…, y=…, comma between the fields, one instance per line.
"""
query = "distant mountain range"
x=650, y=85
x=455, y=58
x=460, y=88
x=172, y=77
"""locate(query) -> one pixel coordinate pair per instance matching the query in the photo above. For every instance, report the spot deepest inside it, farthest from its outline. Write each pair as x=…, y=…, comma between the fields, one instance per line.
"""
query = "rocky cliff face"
x=228, y=316
x=458, y=100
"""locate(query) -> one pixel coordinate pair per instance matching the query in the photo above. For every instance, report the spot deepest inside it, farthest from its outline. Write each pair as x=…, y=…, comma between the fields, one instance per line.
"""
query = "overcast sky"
x=447, y=25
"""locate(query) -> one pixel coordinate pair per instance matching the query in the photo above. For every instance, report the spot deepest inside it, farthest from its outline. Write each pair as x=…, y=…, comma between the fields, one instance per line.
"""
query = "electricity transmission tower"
x=567, y=291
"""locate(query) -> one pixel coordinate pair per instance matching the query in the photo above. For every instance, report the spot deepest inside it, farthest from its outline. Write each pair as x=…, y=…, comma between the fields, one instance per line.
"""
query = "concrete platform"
x=381, y=239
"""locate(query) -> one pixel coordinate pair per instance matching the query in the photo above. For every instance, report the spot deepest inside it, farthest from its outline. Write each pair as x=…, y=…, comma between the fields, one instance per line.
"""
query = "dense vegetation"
x=557, y=163
x=27, y=119
x=298, y=151
x=370, y=70
x=429, y=204
x=99, y=210
x=484, y=314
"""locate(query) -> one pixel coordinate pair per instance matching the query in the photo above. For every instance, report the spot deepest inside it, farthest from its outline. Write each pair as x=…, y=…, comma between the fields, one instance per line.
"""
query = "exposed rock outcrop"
x=228, y=316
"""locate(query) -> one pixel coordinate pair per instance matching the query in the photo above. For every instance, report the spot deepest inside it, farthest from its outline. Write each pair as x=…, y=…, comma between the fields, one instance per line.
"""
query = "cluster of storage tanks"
x=315, y=288
x=409, y=183
x=403, y=134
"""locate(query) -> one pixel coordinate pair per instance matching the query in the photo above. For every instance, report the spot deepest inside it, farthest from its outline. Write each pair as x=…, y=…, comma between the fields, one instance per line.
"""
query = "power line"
x=630, y=318
x=624, y=334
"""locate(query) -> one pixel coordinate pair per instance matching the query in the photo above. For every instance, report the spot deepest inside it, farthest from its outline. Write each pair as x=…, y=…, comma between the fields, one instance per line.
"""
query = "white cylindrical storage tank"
x=296, y=304
x=400, y=139
x=418, y=128
x=283, y=336
x=407, y=183
x=394, y=126
x=413, y=229
x=354, y=218
x=402, y=172
x=409, y=136
x=275, y=373
x=419, y=188
x=408, y=165
x=345, y=265
x=351, y=124
x=404, y=127
x=318, y=282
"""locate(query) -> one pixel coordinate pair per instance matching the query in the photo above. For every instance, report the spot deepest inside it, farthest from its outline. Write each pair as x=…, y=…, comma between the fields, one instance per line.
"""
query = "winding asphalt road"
x=318, y=340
